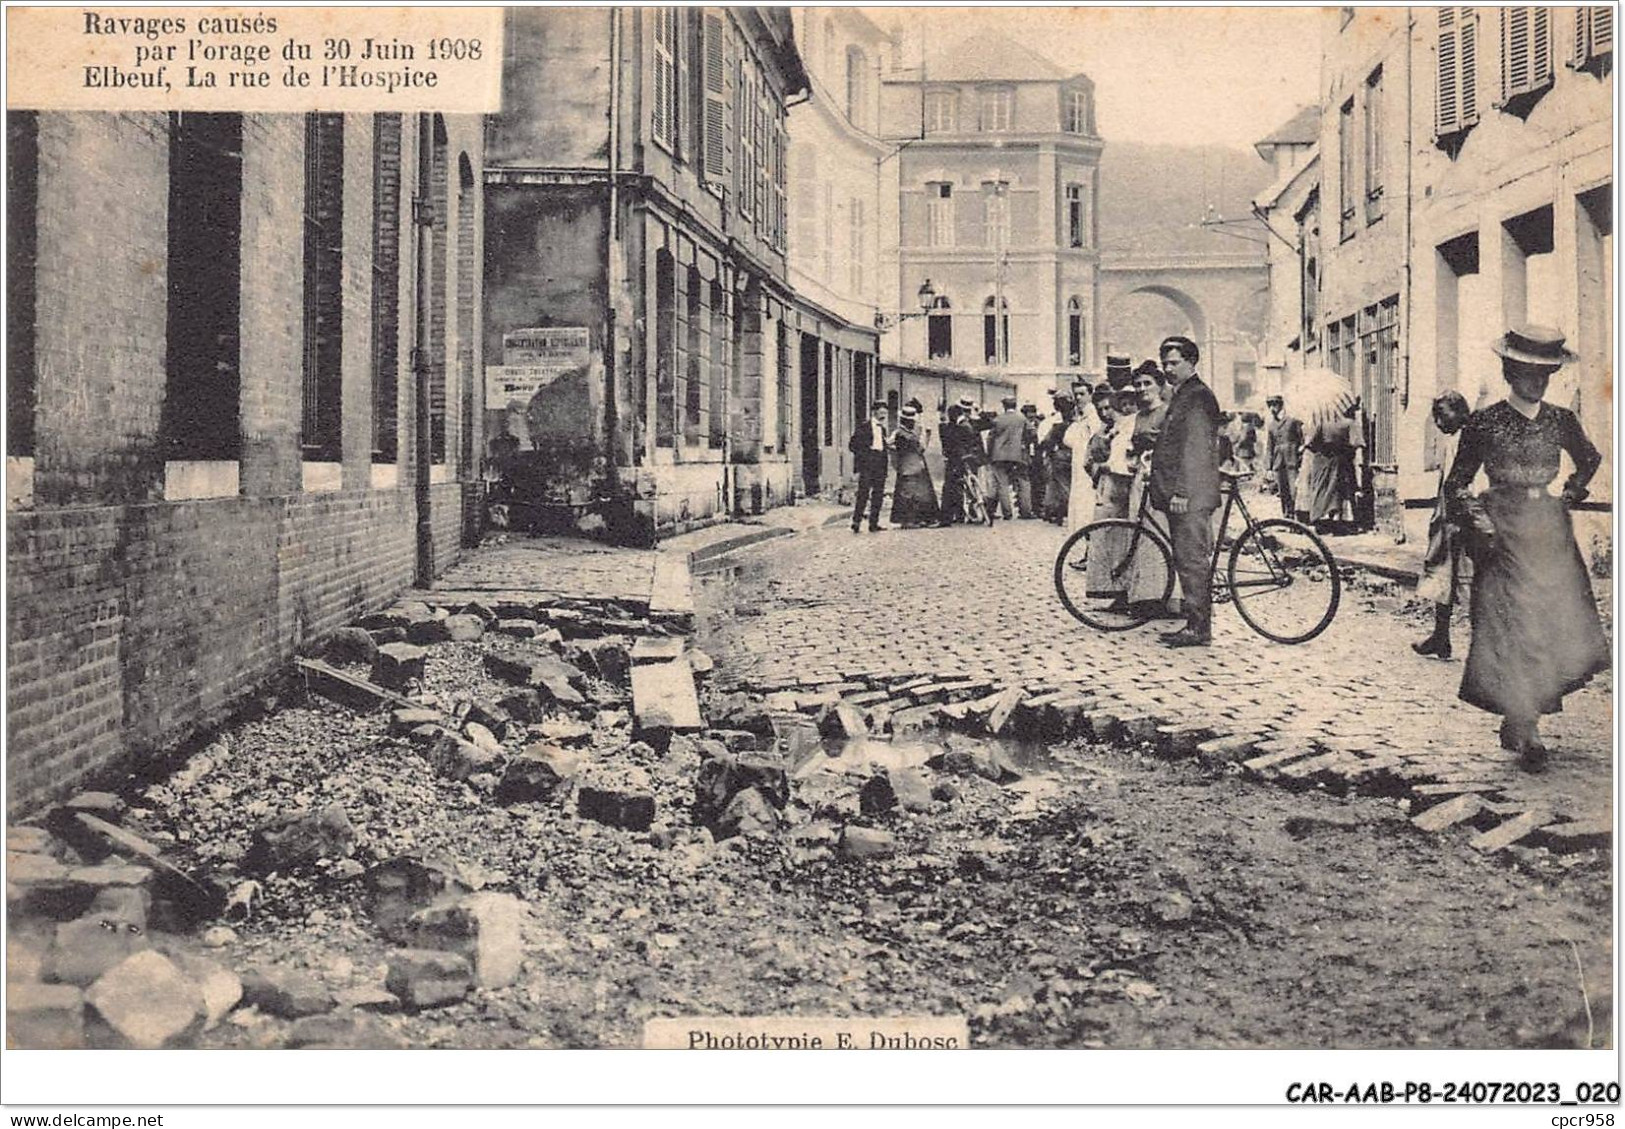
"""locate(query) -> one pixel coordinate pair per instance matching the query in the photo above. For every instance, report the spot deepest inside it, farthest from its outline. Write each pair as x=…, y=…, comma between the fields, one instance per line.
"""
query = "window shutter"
x=715, y=64
x=682, y=128
x=1602, y=31
x=1540, y=51
x=1582, y=22
x=1467, y=66
x=1447, y=108
x=660, y=123
x=1526, y=50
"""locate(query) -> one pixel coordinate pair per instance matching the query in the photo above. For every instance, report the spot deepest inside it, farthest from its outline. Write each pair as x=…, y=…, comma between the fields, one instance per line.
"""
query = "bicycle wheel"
x=1114, y=574
x=1283, y=580
x=975, y=509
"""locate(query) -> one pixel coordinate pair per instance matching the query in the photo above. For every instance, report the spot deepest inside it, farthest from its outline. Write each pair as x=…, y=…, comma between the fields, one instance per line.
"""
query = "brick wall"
x=135, y=622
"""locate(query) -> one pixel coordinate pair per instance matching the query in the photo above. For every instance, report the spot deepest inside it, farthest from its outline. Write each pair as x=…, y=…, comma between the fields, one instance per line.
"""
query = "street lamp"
x=928, y=302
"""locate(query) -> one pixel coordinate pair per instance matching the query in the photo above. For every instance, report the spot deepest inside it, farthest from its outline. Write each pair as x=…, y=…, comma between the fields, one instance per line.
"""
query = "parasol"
x=1318, y=394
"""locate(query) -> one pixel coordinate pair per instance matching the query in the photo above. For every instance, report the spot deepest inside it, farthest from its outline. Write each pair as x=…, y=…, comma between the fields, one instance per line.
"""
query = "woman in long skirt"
x=914, y=499
x=1536, y=632
x=1331, y=472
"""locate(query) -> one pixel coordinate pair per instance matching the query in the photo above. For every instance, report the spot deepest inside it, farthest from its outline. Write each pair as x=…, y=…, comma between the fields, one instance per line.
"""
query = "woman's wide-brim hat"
x=1538, y=345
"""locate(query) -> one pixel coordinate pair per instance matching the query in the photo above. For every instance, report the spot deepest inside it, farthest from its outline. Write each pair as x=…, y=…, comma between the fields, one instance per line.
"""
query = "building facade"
x=1288, y=209
x=835, y=236
x=995, y=191
x=1465, y=185
x=636, y=274
x=217, y=447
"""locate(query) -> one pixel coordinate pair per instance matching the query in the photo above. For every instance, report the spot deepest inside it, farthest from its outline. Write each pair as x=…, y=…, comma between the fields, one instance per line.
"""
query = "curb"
x=750, y=537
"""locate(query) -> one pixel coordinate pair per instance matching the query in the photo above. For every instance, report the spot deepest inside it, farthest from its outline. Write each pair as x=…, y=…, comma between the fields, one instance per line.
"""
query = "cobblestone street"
x=826, y=608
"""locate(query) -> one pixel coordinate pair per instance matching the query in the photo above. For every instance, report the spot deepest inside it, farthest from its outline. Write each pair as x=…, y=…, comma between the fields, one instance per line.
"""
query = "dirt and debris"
x=500, y=863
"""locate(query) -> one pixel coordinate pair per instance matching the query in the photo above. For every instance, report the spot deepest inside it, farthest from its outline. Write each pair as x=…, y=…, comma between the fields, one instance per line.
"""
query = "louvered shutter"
x=1515, y=62
x=660, y=124
x=1467, y=67
x=716, y=104
x=1540, y=48
x=682, y=129
x=1582, y=37
x=1447, y=107
x=1602, y=31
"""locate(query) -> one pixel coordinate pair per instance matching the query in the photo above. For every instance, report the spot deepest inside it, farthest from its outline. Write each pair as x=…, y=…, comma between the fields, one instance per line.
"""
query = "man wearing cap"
x=868, y=444
x=1032, y=482
x=1006, y=450
x=1536, y=632
x=1284, y=451
x=1184, y=484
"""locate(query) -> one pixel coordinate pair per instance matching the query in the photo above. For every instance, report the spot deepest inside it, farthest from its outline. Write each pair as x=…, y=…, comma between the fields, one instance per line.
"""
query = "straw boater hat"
x=907, y=416
x=1534, y=345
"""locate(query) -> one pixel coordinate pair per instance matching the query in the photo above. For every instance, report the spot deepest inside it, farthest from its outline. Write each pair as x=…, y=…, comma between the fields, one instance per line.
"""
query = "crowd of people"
x=1155, y=433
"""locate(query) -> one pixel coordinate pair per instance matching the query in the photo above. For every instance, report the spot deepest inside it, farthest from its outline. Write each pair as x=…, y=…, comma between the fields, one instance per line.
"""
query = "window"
x=939, y=329
x=1243, y=379
x=939, y=204
x=663, y=122
x=1593, y=38
x=1074, y=332
x=1455, y=324
x=1456, y=103
x=1076, y=223
x=996, y=332
x=320, y=430
x=857, y=264
x=22, y=246
x=996, y=213
x=719, y=370
x=1075, y=116
x=203, y=341
x=857, y=87
x=1526, y=52
x=665, y=350
x=1345, y=169
x=715, y=146
x=1377, y=379
x=745, y=158
x=1308, y=220
x=440, y=179
x=783, y=430
x=386, y=284
x=1529, y=282
x=829, y=394
x=941, y=111
x=696, y=357
x=998, y=107
x=1373, y=147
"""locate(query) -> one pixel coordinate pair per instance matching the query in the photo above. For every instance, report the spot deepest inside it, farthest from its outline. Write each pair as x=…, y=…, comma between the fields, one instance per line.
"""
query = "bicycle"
x=972, y=505
x=1117, y=574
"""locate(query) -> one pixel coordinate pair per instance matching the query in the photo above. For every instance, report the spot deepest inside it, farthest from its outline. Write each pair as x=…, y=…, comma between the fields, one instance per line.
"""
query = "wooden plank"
x=1505, y=834
x=349, y=690
x=1449, y=813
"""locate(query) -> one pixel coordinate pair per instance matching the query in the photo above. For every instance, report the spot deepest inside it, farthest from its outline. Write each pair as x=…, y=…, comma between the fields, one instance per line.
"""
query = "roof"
x=1302, y=128
x=1272, y=195
x=990, y=58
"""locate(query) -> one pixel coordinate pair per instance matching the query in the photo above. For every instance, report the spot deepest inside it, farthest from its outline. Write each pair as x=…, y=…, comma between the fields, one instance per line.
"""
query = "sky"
x=1215, y=75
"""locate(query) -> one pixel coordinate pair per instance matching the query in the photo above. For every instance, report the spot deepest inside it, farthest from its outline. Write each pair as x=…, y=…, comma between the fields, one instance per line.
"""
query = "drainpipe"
x=423, y=221
x=1410, y=160
x=612, y=260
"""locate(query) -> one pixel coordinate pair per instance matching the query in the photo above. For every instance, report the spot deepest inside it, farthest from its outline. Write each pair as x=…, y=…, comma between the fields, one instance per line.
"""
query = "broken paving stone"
x=539, y=671
x=844, y=720
x=423, y=978
x=876, y=796
x=623, y=799
x=483, y=611
x=722, y=777
x=464, y=628
x=748, y=813
x=44, y=1017
x=608, y=658
x=986, y=763
x=91, y=945
x=367, y=996
x=125, y=904
x=400, y=887
x=524, y=705
x=287, y=992
x=564, y=731
x=485, y=928
x=945, y=791
x=516, y=628
x=427, y=632
x=29, y=840
x=457, y=759
x=492, y=715
x=536, y=774
x=866, y=842
x=382, y=635
x=347, y=1030
x=146, y=1002
x=353, y=645
x=912, y=789
x=218, y=936
x=299, y=839
x=404, y=721
x=219, y=988
x=398, y=664
x=478, y=734
x=103, y=805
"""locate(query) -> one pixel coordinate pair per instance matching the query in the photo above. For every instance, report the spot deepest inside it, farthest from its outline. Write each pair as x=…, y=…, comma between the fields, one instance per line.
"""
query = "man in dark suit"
x=868, y=444
x=1284, y=456
x=1185, y=485
x=1007, y=451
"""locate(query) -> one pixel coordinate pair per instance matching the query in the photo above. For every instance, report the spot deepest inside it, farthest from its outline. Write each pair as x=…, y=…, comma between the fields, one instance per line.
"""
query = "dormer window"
x=1075, y=112
x=941, y=111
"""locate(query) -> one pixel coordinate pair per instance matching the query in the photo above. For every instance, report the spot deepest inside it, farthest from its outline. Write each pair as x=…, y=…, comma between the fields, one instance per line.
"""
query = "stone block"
x=663, y=698
x=427, y=632
x=536, y=774
x=290, y=993
x=146, y=1002
x=485, y=928
x=516, y=628
x=103, y=805
x=484, y=612
x=721, y=778
x=397, y=889
x=539, y=671
x=624, y=799
x=845, y=720
x=1449, y=813
x=457, y=759
x=45, y=1017
x=866, y=843
x=30, y=840
x=424, y=978
x=87, y=947
x=299, y=839
x=1510, y=831
x=493, y=715
x=464, y=628
x=748, y=813
x=352, y=645
x=608, y=658
x=478, y=734
x=398, y=664
x=524, y=705
x=404, y=721
x=564, y=731
x=347, y=1030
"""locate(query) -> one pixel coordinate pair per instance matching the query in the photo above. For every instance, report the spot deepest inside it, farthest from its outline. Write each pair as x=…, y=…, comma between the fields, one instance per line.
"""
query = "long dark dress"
x=914, y=500
x=1331, y=470
x=1536, y=633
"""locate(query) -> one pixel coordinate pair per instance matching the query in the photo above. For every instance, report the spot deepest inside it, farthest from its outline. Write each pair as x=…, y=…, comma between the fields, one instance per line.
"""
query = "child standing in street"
x=1444, y=562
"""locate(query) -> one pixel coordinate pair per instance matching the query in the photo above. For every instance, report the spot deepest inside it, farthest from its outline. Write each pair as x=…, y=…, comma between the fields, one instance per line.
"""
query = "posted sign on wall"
x=532, y=359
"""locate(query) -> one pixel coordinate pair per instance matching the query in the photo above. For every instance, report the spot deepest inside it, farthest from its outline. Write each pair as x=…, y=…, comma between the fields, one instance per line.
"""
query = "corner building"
x=636, y=212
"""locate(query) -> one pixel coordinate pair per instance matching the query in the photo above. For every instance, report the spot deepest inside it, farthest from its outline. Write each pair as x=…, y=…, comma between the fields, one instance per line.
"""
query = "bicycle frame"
x=1232, y=500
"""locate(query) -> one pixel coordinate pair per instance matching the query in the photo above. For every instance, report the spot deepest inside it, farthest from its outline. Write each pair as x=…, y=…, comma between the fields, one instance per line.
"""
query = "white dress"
x=1080, y=508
